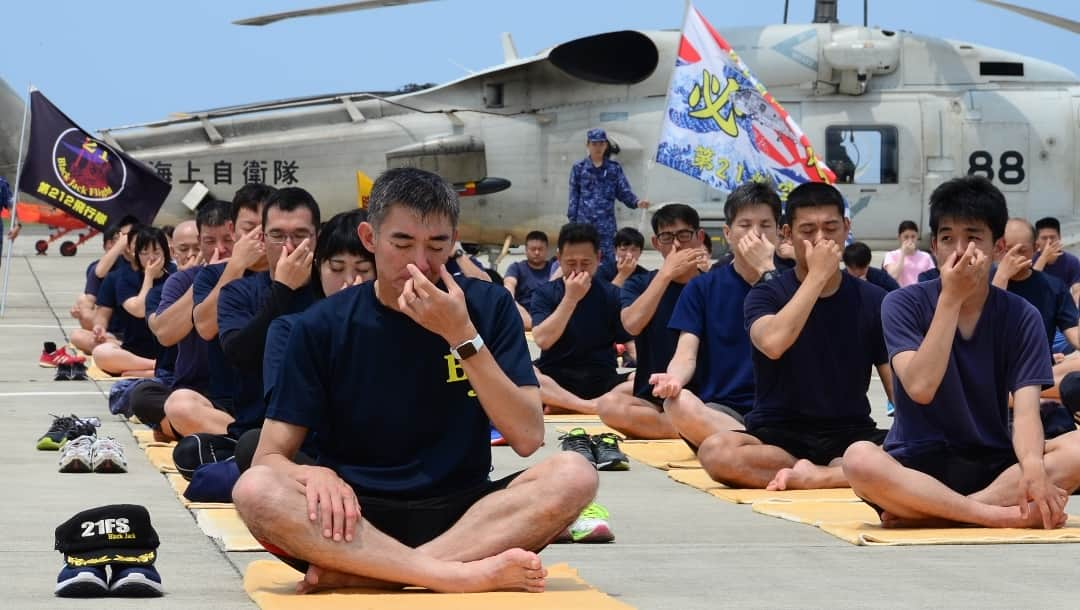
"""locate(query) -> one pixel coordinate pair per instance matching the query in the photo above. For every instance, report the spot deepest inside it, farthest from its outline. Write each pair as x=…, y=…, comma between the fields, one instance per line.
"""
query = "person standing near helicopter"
x=595, y=183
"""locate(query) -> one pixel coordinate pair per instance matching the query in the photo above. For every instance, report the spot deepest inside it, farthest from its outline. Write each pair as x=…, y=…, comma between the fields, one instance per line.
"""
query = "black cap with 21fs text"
x=113, y=534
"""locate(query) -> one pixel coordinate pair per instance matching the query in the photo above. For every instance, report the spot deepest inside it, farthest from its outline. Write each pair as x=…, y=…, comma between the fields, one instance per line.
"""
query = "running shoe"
x=135, y=581
x=78, y=455
x=57, y=433
x=77, y=372
x=81, y=582
x=107, y=455
x=63, y=372
x=497, y=439
x=608, y=454
x=578, y=441
x=52, y=356
x=83, y=427
x=592, y=525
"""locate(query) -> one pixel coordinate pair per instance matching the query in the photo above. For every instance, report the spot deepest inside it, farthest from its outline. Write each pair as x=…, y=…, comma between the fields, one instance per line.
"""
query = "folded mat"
x=94, y=372
x=572, y=417
x=161, y=458
x=225, y=526
x=180, y=484
x=271, y=584
x=145, y=438
x=858, y=524
x=699, y=479
x=660, y=454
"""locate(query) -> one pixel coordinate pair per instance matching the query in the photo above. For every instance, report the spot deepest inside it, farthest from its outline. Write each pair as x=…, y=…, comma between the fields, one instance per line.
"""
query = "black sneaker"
x=57, y=435
x=608, y=455
x=578, y=441
x=83, y=581
x=63, y=372
x=77, y=372
x=83, y=427
x=135, y=581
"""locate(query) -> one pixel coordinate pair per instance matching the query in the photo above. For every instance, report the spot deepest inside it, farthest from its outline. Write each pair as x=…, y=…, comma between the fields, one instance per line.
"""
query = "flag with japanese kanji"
x=722, y=127
x=83, y=176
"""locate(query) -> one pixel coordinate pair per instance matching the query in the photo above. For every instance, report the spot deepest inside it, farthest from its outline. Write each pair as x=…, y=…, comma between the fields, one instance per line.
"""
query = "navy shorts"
x=964, y=471
x=818, y=446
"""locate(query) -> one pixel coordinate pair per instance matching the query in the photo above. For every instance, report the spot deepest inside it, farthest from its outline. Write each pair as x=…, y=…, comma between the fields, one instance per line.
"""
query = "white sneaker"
x=77, y=455
x=108, y=456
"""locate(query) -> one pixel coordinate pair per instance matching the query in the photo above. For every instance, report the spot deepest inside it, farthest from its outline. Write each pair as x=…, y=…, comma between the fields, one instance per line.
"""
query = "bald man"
x=185, y=245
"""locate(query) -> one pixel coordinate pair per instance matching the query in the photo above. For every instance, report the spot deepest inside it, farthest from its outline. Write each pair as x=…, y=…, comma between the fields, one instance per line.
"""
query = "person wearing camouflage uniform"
x=595, y=183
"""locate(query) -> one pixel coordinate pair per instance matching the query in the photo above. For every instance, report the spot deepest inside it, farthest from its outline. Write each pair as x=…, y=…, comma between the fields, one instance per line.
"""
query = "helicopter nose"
x=11, y=116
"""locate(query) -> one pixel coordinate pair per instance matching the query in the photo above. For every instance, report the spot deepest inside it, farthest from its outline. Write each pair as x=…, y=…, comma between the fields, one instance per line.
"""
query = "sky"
x=120, y=62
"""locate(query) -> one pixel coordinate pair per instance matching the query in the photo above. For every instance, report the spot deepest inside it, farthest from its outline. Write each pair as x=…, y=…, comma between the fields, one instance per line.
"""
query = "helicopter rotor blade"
x=324, y=10
x=1054, y=20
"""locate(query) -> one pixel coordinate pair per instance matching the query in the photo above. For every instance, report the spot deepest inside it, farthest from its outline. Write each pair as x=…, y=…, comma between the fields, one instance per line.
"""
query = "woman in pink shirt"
x=906, y=263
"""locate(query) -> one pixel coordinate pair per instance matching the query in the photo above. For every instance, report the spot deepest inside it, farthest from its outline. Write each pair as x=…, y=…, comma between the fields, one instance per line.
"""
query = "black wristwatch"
x=458, y=253
x=768, y=275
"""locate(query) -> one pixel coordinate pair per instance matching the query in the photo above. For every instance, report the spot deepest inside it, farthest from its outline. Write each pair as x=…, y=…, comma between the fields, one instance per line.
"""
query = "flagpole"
x=15, y=202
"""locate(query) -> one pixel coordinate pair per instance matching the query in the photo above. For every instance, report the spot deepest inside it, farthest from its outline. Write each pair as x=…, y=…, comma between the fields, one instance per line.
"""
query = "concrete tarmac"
x=676, y=548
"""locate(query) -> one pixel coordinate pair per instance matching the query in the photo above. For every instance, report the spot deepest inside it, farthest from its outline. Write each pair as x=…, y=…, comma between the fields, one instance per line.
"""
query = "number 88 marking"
x=1012, y=166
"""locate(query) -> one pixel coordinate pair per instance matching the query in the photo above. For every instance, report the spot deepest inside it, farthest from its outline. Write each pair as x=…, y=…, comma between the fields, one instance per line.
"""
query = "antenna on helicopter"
x=865, y=12
x=324, y=10
x=786, y=10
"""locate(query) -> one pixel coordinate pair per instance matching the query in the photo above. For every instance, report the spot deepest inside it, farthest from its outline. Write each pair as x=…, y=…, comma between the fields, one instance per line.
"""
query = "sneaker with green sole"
x=608, y=454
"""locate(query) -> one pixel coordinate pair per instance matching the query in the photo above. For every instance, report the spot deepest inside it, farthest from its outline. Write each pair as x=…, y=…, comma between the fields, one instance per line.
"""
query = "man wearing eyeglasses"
x=246, y=307
x=648, y=301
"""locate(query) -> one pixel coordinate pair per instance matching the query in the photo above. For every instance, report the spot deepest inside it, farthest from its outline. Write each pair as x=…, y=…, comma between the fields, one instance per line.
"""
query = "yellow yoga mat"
x=145, y=438
x=93, y=371
x=572, y=417
x=180, y=484
x=658, y=454
x=161, y=458
x=858, y=524
x=225, y=526
x=699, y=479
x=271, y=585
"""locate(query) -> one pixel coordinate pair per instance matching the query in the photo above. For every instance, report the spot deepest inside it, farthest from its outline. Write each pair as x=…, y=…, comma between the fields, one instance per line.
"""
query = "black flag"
x=83, y=176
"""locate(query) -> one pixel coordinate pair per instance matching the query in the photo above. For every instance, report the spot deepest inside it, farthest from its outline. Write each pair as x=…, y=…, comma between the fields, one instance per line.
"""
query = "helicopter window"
x=862, y=154
x=1001, y=68
x=493, y=95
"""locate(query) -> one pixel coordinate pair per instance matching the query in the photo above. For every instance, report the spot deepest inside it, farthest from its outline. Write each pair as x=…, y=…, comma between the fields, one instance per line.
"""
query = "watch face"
x=465, y=350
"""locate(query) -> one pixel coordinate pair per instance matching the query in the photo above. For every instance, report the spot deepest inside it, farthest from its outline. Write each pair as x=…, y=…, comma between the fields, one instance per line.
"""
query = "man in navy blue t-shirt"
x=576, y=324
x=523, y=277
x=648, y=301
x=117, y=258
x=401, y=378
x=1052, y=257
x=960, y=347
x=816, y=333
x=857, y=264
x=708, y=386
x=190, y=411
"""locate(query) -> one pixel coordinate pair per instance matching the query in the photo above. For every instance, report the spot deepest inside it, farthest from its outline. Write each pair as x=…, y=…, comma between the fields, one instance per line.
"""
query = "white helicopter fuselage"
x=903, y=112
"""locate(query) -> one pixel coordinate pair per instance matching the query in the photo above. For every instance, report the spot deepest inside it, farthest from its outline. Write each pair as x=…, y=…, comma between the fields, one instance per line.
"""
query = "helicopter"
x=892, y=113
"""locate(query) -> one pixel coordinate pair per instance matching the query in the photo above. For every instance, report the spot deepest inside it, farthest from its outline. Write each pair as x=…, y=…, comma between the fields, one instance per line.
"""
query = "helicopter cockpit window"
x=862, y=154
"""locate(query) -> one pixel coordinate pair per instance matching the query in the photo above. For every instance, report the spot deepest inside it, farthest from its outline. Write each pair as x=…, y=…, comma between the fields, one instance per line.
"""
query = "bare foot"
x=803, y=475
x=1034, y=520
x=511, y=570
x=891, y=521
x=322, y=579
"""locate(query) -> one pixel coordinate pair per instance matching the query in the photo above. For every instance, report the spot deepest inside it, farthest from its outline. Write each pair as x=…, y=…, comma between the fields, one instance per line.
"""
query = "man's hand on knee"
x=331, y=501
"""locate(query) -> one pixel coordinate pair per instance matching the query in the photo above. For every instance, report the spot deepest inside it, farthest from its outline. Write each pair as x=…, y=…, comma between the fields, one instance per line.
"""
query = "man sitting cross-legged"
x=816, y=334
x=647, y=303
x=959, y=347
x=576, y=324
x=713, y=352
x=399, y=377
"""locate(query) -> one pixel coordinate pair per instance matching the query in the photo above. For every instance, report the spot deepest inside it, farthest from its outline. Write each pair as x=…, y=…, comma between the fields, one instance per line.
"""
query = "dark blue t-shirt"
x=970, y=410
x=711, y=309
x=238, y=302
x=277, y=339
x=881, y=279
x=394, y=414
x=165, y=366
x=1051, y=299
x=1066, y=268
x=528, y=279
x=820, y=382
x=656, y=343
x=592, y=331
x=191, y=364
x=223, y=380
x=93, y=282
x=930, y=274
x=608, y=271
x=134, y=334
